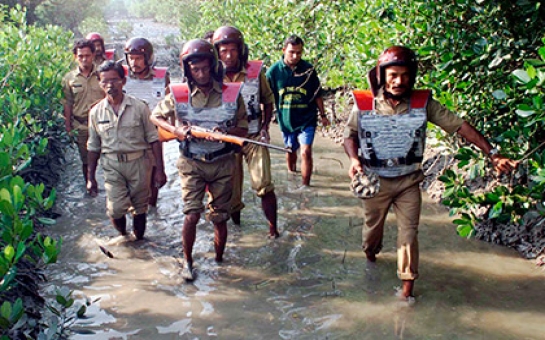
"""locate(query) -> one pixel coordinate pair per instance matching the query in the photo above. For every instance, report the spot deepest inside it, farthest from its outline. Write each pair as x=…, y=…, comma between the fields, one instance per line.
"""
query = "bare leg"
x=270, y=207
x=407, y=289
x=120, y=224
x=139, y=226
x=189, y=233
x=306, y=163
x=220, y=239
x=291, y=160
x=84, y=169
x=154, y=190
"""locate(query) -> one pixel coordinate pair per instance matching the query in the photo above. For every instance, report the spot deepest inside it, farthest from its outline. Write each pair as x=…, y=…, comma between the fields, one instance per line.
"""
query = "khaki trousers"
x=259, y=166
x=403, y=194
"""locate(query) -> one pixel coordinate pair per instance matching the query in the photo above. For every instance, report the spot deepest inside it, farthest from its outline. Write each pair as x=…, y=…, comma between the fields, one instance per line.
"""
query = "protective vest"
x=392, y=145
x=110, y=54
x=223, y=116
x=149, y=90
x=250, y=94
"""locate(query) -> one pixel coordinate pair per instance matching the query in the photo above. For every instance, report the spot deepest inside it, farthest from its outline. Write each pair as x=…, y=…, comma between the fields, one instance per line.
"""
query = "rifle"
x=199, y=132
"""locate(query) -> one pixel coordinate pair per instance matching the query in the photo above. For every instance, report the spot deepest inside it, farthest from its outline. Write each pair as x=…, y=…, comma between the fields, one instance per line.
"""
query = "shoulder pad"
x=126, y=69
x=363, y=99
x=419, y=98
x=230, y=92
x=253, y=68
x=110, y=54
x=160, y=71
x=180, y=91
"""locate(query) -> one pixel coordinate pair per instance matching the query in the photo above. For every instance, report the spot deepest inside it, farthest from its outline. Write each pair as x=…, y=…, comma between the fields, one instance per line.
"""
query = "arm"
x=68, y=117
x=322, y=115
x=351, y=149
x=160, y=176
x=92, y=186
x=501, y=163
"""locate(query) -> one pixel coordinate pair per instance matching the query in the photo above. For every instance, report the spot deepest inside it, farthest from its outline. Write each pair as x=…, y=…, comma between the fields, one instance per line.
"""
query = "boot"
x=236, y=217
x=139, y=225
x=120, y=224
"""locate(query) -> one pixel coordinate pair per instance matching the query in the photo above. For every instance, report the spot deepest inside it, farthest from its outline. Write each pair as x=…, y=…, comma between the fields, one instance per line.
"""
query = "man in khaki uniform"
x=204, y=164
x=147, y=82
x=81, y=90
x=102, y=54
x=120, y=134
x=233, y=52
x=385, y=134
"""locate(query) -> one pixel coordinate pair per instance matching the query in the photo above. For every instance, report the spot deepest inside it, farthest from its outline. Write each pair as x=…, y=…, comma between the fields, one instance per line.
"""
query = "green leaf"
x=5, y=310
x=521, y=75
x=496, y=210
x=499, y=94
x=46, y=221
x=524, y=113
x=9, y=252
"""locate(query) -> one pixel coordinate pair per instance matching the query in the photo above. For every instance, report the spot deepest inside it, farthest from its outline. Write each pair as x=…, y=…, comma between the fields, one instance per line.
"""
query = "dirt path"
x=312, y=283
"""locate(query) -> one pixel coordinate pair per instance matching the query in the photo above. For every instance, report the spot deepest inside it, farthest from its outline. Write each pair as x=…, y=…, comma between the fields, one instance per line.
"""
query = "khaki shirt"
x=167, y=107
x=128, y=131
x=436, y=114
x=81, y=93
x=266, y=96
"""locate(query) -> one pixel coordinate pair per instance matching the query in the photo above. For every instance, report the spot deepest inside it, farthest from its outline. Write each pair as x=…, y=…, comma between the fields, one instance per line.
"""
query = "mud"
x=312, y=283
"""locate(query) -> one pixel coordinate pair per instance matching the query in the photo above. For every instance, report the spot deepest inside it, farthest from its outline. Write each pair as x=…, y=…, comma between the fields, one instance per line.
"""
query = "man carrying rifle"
x=204, y=163
x=233, y=52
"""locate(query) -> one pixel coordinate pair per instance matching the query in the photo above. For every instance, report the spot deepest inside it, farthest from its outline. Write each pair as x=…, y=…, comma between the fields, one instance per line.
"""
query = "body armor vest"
x=392, y=145
x=250, y=93
x=149, y=90
x=223, y=116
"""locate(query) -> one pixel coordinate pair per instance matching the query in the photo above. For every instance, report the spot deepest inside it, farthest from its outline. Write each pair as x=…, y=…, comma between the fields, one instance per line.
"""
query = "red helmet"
x=393, y=56
x=200, y=48
x=230, y=35
x=139, y=46
x=94, y=36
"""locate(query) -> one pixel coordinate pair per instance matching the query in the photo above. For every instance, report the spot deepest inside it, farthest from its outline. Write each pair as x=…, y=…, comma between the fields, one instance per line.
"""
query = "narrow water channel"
x=312, y=283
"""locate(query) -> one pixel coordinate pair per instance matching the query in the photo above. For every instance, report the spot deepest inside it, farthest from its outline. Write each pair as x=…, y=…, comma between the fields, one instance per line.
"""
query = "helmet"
x=393, y=56
x=94, y=36
x=140, y=46
x=200, y=48
x=229, y=35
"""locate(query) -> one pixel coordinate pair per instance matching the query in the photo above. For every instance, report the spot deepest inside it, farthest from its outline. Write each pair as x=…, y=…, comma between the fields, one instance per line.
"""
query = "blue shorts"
x=294, y=140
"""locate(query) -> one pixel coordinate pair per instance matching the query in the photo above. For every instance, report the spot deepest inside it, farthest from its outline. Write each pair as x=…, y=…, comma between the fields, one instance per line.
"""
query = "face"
x=200, y=72
x=85, y=58
x=292, y=54
x=398, y=80
x=98, y=47
x=229, y=54
x=111, y=83
x=137, y=63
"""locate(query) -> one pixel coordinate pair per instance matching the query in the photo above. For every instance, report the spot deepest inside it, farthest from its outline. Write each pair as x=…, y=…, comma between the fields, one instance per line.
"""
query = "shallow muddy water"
x=312, y=283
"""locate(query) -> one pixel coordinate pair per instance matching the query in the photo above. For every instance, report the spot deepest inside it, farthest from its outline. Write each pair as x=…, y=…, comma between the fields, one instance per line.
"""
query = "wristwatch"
x=493, y=152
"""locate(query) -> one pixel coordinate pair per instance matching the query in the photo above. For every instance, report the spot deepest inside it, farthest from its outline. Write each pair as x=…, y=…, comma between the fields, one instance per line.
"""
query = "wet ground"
x=312, y=283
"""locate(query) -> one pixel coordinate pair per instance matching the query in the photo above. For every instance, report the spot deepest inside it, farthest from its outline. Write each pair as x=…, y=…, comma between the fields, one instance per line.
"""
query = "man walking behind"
x=233, y=52
x=81, y=90
x=298, y=95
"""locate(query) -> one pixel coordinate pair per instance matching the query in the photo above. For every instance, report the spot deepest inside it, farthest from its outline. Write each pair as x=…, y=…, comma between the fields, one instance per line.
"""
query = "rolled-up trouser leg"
x=407, y=208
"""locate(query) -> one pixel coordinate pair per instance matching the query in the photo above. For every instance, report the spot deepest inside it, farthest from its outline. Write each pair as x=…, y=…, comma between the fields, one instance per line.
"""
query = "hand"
x=92, y=187
x=217, y=129
x=324, y=120
x=355, y=167
x=503, y=164
x=160, y=179
x=265, y=136
x=182, y=132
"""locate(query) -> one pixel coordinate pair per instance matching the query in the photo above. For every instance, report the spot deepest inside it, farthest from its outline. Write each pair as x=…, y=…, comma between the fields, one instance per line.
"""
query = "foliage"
x=32, y=63
x=69, y=14
x=94, y=24
x=125, y=29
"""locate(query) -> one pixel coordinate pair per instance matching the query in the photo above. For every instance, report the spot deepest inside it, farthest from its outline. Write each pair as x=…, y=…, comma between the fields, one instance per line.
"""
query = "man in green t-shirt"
x=298, y=95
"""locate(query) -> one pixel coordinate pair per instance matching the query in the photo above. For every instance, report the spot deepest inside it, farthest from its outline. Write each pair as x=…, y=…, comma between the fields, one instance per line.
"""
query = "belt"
x=206, y=157
x=387, y=163
x=125, y=157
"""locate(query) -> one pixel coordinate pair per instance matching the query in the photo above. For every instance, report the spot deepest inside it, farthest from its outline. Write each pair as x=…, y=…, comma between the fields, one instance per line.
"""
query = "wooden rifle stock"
x=198, y=132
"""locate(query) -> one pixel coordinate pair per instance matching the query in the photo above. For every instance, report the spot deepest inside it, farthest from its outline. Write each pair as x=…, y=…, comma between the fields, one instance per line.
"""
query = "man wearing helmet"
x=147, y=82
x=101, y=54
x=81, y=90
x=233, y=52
x=385, y=135
x=298, y=96
x=204, y=164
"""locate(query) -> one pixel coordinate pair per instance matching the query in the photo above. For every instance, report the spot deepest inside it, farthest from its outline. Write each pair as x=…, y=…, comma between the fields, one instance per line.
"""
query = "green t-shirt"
x=295, y=92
